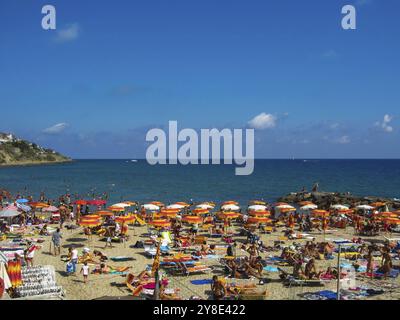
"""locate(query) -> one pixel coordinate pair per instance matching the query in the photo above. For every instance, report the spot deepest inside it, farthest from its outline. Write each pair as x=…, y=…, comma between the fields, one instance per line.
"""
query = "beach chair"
x=189, y=270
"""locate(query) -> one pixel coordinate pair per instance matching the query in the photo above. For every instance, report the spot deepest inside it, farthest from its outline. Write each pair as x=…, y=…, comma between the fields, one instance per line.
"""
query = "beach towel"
x=330, y=295
x=201, y=282
x=14, y=273
x=122, y=258
x=270, y=269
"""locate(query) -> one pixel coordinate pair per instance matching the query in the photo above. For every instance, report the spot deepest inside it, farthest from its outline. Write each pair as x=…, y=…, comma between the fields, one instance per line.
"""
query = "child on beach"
x=85, y=272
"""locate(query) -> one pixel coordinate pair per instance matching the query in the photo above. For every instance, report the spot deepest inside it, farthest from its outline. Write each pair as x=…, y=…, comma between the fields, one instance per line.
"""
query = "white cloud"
x=56, y=129
x=343, y=140
x=69, y=33
x=384, y=125
x=263, y=121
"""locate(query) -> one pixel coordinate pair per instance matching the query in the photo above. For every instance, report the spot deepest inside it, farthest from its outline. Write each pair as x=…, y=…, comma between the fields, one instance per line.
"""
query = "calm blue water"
x=139, y=181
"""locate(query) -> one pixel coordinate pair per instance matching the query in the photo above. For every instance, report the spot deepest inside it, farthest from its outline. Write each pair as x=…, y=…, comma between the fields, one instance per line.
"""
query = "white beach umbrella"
x=204, y=206
x=121, y=205
x=151, y=207
x=339, y=207
x=175, y=206
x=230, y=207
x=9, y=212
x=257, y=207
x=285, y=206
x=309, y=207
x=364, y=207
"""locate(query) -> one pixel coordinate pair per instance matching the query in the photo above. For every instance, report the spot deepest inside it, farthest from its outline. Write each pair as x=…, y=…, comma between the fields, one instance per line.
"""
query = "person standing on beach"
x=85, y=272
x=56, y=239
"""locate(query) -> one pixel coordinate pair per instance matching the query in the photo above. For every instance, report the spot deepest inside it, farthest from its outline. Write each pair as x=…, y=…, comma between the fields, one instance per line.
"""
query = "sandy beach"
x=113, y=285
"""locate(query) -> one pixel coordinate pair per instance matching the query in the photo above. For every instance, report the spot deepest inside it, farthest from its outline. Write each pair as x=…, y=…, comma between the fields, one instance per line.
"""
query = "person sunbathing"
x=310, y=270
x=167, y=296
x=218, y=288
x=100, y=255
x=44, y=231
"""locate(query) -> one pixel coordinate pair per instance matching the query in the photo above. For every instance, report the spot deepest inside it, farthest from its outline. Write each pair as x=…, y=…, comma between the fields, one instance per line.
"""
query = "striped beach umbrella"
x=192, y=219
x=125, y=219
x=200, y=211
x=160, y=223
x=104, y=213
x=116, y=209
x=91, y=223
x=168, y=214
x=229, y=215
x=38, y=205
x=265, y=213
x=258, y=220
x=320, y=213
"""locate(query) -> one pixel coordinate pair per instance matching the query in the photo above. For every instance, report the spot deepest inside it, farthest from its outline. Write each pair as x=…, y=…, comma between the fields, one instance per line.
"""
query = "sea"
x=124, y=180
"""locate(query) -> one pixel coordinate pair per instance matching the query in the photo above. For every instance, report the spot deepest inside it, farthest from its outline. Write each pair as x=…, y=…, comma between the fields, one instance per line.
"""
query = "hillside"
x=14, y=151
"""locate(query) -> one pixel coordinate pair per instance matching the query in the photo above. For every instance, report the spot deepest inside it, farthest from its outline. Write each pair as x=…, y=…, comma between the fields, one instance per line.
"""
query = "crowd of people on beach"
x=199, y=230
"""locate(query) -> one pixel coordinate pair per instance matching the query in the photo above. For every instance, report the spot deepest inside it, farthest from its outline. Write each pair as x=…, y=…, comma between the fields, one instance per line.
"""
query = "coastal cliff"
x=14, y=152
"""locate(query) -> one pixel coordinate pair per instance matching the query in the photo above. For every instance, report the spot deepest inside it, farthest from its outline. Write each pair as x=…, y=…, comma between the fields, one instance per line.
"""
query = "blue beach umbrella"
x=22, y=200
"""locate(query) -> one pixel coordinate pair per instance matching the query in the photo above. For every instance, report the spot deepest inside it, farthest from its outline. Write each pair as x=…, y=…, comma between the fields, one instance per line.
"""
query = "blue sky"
x=114, y=69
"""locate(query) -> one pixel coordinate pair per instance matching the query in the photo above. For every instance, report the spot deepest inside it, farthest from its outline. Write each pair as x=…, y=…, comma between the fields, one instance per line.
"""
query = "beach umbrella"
x=121, y=205
x=158, y=203
x=257, y=207
x=230, y=207
x=364, y=207
x=339, y=207
x=125, y=219
x=258, y=202
x=24, y=207
x=278, y=204
x=183, y=204
x=116, y=209
x=265, y=213
x=229, y=215
x=192, y=219
x=91, y=217
x=205, y=206
x=286, y=210
x=9, y=212
x=346, y=211
x=151, y=207
x=377, y=204
x=91, y=223
x=200, y=211
x=22, y=201
x=387, y=214
x=38, y=205
x=168, y=214
x=304, y=203
x=81, y=202
x=51, y=209
x=320, y=213
x=258, y=220
x=175, y=206
x=230, y=202
x=160, y=223
x=392, y=220
x=131, y=203
x=104, y=213
x=308, y=207
x=96, y=202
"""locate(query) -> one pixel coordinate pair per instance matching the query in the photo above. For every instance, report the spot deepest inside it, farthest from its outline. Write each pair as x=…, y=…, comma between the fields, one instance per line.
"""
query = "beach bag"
x=69, y=267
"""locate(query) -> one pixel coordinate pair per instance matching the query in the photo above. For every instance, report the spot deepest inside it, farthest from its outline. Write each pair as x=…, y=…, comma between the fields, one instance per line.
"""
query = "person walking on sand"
x=85, y=272
x=56, y=239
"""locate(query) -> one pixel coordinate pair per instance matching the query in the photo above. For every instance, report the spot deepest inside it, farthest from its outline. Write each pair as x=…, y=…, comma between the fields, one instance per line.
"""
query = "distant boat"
x=134, y=161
